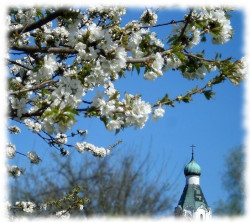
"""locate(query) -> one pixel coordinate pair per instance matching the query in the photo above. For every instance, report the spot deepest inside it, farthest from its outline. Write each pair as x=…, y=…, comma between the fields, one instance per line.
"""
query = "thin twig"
x=163, y=24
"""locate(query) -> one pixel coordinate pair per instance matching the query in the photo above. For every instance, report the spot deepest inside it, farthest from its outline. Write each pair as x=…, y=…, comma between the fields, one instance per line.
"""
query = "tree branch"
x=163, y=24
x=39, y=23
x=35, y=49
x=190, y=93
x=39, y=86
x=56, y=50
x=16, y=63
x=185, y=26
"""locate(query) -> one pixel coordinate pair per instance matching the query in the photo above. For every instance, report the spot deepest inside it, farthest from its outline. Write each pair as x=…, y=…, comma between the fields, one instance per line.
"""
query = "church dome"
x=192, y=168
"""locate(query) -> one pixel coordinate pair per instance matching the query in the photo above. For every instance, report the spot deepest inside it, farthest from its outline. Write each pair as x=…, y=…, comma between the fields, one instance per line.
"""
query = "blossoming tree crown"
x=58, y=55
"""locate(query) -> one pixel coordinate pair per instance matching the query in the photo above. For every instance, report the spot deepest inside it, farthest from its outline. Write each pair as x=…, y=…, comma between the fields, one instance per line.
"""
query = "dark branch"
x=163, y=24
x=39, y=23
x=185, y=26
x=16, y=63
x=34, y=49
x=35, y=87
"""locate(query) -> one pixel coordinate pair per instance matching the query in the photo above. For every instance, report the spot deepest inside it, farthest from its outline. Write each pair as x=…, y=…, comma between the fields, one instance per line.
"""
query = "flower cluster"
x=14, y=129
x=149, y=18
x=34, y=126
x=27, y=207
x=49, y=66
x=241, y=68
x=19, y=105
x=131, y=111
x=10, y=150
x=61, y=138
x=217, y=18
x=158, y=113
x=33, y=157
x=15, y=171
x=63, y=214
x=156, y=68
x=96, y=151
x=63, y=61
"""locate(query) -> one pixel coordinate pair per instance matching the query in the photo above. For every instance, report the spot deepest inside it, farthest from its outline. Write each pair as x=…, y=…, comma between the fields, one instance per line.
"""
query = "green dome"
x=192, y=168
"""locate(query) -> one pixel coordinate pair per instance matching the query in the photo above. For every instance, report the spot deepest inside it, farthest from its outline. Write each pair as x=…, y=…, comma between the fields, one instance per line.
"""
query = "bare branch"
x=35, y=49
x=164, y=24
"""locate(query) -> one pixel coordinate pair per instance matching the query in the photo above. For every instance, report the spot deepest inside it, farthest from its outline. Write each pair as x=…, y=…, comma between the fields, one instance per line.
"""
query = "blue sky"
x=214, y=126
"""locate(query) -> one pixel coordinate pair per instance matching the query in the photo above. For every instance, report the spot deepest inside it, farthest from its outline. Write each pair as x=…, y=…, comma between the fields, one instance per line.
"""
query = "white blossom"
x=49, y=66
x=34, y=126
x=108, y=108
x=61, y=138
x=156, y=67
x=14, y=129
x=80, y=147
x=34, y=158
x=96, y=151
x=114, y=124
x=150, y=75
x=11, y=150
x=15, y=171
x=27, y=207
x=19, y=105
x=195, y=39
x=63, y=214
x=241, y=68
x=158, y=113
x=198, y=74
x=43, y=207
x=172, y=62
x=82, y=132
x=139, y=114
x=218, y=15
x=149, y=18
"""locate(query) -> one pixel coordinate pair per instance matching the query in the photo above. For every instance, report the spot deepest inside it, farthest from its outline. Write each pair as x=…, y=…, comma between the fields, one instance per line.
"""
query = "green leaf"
x=137, y=66
x=69, y=116
x=54, y=110
x=117, y=131
x=165, y=99
x=70, y=110
x=187, y=98
x=39, y=13
x=45, y=91
x=208, y=94
x=172, y=38
x=203, y=39
x=104, y=119
x=217, y=80
x=216, y=56
x=181, y=56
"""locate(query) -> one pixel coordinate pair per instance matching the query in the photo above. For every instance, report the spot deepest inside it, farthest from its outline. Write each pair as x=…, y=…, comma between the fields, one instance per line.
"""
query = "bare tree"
x=116, y=185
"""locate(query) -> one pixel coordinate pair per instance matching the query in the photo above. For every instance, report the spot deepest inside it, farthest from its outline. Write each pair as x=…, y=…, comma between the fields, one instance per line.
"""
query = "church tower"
x=192, y=203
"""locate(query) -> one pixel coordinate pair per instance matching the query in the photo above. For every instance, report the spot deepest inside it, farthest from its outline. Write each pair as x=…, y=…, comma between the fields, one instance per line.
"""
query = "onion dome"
x=192, y=168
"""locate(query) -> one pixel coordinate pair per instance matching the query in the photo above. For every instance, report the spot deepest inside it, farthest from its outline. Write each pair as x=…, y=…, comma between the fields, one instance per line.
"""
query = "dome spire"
x=192, y=168
x=192, y=151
